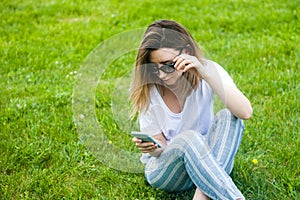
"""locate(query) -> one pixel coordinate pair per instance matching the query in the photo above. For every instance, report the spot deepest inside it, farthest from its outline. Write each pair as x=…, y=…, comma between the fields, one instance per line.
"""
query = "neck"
x=181, y=88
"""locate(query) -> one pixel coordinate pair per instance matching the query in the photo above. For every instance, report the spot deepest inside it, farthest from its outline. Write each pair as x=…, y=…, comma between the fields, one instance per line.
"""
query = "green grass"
x=43, y=45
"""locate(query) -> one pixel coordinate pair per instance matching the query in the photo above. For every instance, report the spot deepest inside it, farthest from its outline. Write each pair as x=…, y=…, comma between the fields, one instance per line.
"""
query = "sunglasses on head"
x=166, y=68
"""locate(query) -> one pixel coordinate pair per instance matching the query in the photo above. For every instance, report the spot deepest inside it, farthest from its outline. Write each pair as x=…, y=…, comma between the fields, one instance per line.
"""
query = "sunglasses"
x=166, y=68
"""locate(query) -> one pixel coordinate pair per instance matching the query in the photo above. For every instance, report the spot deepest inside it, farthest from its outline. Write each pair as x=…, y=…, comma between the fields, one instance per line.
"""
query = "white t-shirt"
x=196, y=115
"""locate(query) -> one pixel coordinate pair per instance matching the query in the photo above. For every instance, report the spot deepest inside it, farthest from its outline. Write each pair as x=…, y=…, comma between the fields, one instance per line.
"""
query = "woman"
x=172, y=91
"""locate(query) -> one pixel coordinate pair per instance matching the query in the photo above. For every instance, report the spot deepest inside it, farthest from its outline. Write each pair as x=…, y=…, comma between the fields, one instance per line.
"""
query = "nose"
x=161, y=74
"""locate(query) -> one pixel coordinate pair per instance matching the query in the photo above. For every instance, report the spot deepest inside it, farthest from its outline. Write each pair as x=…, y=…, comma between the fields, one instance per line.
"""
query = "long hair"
x=161, y=34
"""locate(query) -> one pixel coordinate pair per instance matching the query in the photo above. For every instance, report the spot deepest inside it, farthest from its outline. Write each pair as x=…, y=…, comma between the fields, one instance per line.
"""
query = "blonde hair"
x=161, y=34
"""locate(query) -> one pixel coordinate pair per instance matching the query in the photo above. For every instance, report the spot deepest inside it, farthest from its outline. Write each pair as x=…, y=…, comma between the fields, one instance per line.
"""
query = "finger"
x=178, y=61
x=180, y=56
x=136, y=140
x=148, y=149
x=187, y=67
x=146, y=145
x=177, y=58
x=182, y=65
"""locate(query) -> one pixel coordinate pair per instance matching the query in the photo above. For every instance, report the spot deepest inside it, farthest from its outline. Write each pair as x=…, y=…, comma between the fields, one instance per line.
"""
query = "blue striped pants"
x=205, y=161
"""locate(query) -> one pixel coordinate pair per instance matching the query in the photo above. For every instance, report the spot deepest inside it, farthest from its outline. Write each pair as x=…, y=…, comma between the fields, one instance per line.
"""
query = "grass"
x=45, y=43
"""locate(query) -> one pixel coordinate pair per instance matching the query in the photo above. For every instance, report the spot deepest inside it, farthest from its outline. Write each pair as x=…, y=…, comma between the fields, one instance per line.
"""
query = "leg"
x=168, y=171
x=224, y=137
x=199, y=195
x=188, y=159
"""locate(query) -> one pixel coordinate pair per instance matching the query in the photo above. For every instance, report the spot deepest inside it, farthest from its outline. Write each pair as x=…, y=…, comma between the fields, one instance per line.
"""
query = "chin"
x=170, y=82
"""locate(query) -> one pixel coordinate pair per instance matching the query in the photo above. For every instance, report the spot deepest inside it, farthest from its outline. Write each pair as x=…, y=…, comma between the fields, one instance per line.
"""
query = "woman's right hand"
x=150, y=147
x=145, y=147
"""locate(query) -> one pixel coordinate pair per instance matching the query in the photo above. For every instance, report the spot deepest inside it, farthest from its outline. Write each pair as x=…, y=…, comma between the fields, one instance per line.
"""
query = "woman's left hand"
x=185, y=62
x=232, y=97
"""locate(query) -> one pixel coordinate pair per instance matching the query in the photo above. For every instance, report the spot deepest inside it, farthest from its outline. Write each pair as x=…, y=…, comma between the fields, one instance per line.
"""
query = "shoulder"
x=211, y=63
x=217, y=66
x=155, y=100
x=220, y=71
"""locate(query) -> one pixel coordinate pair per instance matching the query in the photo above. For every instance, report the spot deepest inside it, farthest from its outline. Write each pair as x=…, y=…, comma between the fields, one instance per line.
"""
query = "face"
x=165, y=56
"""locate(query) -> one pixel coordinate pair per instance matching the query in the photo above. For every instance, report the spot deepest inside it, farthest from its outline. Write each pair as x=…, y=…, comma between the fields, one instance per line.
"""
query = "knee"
x=188, y=137
x=191, y=142
x=226, y=115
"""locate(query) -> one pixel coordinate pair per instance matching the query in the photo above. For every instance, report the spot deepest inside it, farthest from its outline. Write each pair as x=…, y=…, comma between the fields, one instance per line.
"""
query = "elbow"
x=247, y=113
x=243, y=110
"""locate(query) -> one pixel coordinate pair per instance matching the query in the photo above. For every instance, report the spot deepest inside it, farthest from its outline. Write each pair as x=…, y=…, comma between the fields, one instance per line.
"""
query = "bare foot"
x=199, y=195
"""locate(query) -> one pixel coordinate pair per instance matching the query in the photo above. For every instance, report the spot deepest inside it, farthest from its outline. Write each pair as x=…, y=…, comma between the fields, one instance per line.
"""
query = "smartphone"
x=145, y=138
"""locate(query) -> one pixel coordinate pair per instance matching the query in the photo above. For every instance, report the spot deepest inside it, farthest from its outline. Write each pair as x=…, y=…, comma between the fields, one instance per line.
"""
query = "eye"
x=168, y=68
x=170, y=65
x=152, y=68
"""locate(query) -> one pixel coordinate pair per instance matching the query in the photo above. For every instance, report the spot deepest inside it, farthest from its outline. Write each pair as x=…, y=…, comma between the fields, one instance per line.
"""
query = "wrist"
x=205, y=71
x=157, y=152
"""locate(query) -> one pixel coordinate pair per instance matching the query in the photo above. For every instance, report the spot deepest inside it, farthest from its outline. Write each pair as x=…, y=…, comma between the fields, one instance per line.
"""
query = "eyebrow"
x=167, y=61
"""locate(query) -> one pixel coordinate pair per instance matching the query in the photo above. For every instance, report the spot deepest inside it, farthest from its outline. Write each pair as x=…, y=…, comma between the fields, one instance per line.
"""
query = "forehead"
x=163, y=55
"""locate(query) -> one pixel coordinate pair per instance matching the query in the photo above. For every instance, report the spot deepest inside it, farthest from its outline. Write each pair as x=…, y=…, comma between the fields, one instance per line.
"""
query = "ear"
x=188, y=50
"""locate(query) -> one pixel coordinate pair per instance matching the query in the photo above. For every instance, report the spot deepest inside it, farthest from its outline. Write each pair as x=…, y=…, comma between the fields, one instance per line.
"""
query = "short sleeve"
x=225, y=77
x=152, y=121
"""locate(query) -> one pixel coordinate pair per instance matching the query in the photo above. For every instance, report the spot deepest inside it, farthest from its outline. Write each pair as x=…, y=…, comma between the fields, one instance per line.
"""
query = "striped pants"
x=205, y=161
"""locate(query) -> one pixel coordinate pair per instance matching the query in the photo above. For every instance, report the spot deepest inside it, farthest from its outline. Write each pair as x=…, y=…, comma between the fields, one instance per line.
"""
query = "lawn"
x=51, y=112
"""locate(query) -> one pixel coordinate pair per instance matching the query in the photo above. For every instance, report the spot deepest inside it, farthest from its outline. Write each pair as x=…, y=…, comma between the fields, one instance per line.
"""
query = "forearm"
x=162, y=140
x=220, y=82
x=157, y=152
x=237, y=103
x=230, y=95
